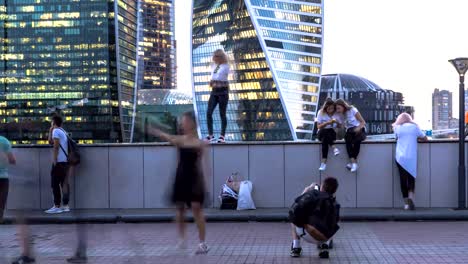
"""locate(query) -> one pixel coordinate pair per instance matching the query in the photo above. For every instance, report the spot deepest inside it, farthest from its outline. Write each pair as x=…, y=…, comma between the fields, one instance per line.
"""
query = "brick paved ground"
x=379, y=242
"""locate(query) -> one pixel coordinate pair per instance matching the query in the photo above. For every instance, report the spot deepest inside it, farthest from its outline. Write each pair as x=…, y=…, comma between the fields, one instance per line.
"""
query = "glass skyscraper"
x=157, y=45
x=275, y=52
x=77, y=57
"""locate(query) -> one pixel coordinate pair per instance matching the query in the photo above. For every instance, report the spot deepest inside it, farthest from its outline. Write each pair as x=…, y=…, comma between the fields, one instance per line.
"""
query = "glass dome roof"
x=347, y=82
x=163, y=97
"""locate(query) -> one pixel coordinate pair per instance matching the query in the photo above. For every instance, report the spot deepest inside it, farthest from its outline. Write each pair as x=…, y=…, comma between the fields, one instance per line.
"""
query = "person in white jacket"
x=406, y=156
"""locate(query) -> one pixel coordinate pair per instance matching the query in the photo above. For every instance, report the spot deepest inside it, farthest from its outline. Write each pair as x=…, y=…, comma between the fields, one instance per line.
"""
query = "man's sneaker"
x=323, y=247
x=406, y=207
x=296, y=252
x=221, y=140
x=66, y=208
x=336, y=151
x=202, y=249
x=323, y=167
x=354, y=167
x=54, y=210
x=23, y=259
x=329, y=243
x=324, y=254
x=78, y=258
x=348, y=166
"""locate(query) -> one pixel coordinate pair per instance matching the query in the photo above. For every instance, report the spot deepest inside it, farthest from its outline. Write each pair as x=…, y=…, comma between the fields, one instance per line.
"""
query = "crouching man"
x=314, y=216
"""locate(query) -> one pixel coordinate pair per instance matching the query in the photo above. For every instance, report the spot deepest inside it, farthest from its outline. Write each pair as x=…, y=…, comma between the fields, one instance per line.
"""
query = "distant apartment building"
x=466, y=101
x=453, y=123
x=157, y=45
x=441, y=109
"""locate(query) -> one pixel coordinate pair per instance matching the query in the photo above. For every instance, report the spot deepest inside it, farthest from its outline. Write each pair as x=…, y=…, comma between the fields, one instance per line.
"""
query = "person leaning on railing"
x=406, y=155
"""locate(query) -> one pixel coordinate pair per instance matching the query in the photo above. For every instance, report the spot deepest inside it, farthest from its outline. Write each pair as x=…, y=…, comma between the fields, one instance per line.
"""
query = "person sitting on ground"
x=314, y=217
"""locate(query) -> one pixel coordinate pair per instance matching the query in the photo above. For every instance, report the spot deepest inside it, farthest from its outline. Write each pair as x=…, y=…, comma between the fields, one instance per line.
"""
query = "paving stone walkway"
x=254, y=242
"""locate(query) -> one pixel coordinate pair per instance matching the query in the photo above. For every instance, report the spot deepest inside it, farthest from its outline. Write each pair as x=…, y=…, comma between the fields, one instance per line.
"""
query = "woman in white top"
x=326, y=123
x=355, y=131
x=406, y=155
x=219, y=93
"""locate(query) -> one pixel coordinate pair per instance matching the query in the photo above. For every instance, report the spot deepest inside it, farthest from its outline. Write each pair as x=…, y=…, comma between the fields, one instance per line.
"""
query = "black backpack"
x=73, y=155
x=303, y=207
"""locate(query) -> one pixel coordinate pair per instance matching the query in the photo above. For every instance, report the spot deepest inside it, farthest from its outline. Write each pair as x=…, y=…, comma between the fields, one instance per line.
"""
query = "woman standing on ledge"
x=326, y=123
x=219, y=94
x=407, y=133
x=355, y=131
x=189, y=185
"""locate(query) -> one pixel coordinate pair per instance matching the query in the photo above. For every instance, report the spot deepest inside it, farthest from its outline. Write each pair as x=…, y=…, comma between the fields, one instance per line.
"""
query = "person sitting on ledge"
x=314, y=217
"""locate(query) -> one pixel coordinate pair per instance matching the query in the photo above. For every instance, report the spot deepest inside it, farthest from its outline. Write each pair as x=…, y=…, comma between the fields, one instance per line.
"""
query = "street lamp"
x=461, y=65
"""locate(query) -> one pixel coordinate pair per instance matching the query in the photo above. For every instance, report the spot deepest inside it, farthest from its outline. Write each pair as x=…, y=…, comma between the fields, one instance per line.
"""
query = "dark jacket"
x=318, y=209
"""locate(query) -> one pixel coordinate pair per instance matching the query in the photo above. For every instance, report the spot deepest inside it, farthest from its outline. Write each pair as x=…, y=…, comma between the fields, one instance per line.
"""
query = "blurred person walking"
x=189, y=185
x=219, y=94
x=406, y=155
x=327, y=121
x=355, y=131
x=6, y=158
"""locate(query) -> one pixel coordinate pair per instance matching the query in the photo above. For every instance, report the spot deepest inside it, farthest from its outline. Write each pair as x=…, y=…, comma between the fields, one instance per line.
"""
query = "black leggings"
x=407, y=181
x=218, y=96
x=4, y=185
x=353, y=142
x=327, y=136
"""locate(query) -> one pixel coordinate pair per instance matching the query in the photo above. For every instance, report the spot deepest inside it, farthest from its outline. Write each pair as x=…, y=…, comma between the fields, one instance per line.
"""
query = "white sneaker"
x=182, y=244
x=66, y=208
x=336, y=151
x=348, y=166
x=406, y=207
x=54, y=210
x=202, y=249
x=323, y=167
x=354, y=167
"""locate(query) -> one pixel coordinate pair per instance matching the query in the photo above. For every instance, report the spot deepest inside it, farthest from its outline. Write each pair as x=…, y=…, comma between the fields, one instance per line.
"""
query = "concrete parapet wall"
x=140, y=176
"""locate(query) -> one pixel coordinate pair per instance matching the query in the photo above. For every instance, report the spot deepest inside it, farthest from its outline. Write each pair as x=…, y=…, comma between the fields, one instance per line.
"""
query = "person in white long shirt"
x=219, y=94
x=355, y=131
x=406, y=156
x=327, y=121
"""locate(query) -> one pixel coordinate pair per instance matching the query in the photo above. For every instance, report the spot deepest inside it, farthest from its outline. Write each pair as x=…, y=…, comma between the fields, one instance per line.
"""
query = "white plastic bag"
x=245, y=201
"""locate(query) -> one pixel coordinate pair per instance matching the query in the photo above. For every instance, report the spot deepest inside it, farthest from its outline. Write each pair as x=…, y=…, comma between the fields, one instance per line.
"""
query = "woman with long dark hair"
x=219, y=94
x=355, y=131
x=326, y=124
x=189, y=185
x=406, y=155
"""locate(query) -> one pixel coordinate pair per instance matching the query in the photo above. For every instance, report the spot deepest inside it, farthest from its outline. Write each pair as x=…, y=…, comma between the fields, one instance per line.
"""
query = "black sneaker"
x=78, y=259
x=323, y=246
x=296, y=252
x=24, y=259
x=330, y=245
x=324, y=254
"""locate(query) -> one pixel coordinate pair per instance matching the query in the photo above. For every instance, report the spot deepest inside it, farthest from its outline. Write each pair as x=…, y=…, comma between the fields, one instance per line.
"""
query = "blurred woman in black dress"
x=189, y=185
